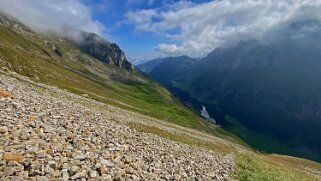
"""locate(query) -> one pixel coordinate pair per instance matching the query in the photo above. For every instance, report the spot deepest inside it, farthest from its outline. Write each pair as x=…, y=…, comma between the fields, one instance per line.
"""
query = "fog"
x=65, y=18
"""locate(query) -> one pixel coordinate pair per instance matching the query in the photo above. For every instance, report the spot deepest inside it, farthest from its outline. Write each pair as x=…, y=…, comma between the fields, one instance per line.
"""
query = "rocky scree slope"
x=47, y=133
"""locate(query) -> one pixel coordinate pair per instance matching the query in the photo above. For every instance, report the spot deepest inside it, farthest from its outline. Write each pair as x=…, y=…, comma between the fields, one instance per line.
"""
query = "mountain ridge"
x=271, y=89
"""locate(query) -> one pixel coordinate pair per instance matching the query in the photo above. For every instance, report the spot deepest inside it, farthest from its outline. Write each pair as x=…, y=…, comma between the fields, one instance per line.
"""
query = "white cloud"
x=54, y=16
x=199, y=28
x=170, y=49
x=143, y=18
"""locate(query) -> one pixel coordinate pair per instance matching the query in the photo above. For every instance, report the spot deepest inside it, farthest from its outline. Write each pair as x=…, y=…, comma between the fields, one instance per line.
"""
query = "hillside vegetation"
x=82, y=74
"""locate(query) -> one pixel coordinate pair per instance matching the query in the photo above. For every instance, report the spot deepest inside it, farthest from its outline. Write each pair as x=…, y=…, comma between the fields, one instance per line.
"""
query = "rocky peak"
x=105, y=51
x=91, y=44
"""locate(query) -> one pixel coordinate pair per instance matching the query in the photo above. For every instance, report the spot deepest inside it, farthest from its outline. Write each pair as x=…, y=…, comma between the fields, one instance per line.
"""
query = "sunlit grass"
x=254, y=167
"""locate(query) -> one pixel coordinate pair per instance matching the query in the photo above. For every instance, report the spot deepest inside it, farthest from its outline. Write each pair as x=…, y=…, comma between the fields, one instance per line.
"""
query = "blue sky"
x=138, y=45
x=147, y=29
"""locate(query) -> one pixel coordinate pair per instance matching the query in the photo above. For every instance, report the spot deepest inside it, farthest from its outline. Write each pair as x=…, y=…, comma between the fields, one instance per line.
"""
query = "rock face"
x=104, y=51
x=50, y=134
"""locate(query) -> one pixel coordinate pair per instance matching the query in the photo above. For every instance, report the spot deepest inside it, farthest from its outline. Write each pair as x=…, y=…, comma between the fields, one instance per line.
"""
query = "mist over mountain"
x=267, y=92
x=63, y=18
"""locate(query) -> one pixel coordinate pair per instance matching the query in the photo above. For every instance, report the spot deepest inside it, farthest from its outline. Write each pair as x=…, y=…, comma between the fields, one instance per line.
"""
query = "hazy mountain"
x=148, y=66
x=267, y=93
x=172, y=67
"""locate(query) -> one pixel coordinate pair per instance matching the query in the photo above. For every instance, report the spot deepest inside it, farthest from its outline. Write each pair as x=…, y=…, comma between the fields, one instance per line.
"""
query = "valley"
x=266, y=94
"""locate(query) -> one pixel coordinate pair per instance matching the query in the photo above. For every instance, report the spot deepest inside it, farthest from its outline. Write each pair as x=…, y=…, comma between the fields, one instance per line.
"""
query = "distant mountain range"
x=148, y=66
x=267, y=92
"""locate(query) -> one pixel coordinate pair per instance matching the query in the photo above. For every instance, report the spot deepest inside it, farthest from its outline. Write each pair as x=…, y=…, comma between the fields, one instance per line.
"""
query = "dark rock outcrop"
x=104, y=51
x=54, y=48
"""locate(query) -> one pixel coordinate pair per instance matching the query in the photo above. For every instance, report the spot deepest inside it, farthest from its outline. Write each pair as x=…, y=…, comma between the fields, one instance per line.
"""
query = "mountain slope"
x=95, y=105
x=268, y=94
x=32, y=55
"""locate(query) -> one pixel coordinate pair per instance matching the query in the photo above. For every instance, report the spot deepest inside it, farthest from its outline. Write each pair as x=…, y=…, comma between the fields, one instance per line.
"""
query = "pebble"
x=15, y=105
x=78, y=176
x=3, y=130
x=12, y=157
x=4, y=93
x=80, y=157
x=107, y=163
x=8, y=171
x=93, y=174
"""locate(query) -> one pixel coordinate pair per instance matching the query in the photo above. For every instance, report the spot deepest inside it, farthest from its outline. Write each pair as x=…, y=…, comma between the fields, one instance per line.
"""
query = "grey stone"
x=80, y=157
x=8, y=171
x=3, y=130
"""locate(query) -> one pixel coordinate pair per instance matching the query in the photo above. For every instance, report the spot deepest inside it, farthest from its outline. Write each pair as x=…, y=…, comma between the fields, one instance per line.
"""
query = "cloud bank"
x=196, y=29
x=53, y=16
